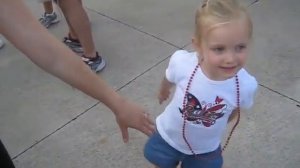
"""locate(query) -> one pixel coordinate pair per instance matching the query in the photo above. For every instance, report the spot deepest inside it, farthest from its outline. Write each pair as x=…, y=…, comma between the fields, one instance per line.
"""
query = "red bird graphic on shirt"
x=206, y=114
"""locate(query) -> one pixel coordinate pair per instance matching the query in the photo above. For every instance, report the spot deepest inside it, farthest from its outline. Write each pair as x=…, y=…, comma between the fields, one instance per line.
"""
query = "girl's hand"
x=163, y=95
x=164, y=91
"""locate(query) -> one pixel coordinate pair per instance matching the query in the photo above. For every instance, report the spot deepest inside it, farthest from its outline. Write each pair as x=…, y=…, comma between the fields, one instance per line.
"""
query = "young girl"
x=211, y=87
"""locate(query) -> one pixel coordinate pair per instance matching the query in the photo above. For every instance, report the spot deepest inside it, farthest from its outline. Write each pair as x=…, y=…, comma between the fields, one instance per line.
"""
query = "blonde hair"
x=217, y=12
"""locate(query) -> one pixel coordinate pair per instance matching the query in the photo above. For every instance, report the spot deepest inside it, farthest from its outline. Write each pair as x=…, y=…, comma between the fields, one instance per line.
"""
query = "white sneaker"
x=49, y=19
x=97, y=64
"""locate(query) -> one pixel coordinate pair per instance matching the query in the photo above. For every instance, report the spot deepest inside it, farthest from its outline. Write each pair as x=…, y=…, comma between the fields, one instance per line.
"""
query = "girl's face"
x=224, y=49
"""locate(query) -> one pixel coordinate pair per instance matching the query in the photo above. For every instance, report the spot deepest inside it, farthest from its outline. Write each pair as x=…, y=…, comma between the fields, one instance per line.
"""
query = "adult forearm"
x=24, y=31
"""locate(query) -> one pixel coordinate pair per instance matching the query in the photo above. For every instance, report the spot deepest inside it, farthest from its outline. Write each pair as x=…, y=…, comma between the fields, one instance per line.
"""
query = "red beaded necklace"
x=184, y=114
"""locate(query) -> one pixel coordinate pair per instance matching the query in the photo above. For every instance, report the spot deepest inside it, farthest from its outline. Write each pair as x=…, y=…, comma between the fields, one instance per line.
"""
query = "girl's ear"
x=196, y=44
x=198, y=48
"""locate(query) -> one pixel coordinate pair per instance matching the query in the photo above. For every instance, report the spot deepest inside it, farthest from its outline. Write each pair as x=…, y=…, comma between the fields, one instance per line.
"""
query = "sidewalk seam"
x=130, y=26
x=59, y=128
x=281, y=94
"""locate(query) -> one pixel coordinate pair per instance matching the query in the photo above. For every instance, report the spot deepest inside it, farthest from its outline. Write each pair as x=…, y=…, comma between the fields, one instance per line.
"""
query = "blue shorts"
x=161, y=154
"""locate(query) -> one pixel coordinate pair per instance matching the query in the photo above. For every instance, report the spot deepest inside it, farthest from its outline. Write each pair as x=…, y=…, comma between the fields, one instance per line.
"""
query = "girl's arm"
x=164, y=91
x=20, y=27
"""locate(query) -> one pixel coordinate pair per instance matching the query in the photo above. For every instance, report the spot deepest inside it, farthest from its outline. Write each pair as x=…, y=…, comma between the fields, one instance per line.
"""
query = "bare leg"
x=48, y=7
x=79, y=24
x=72, y=31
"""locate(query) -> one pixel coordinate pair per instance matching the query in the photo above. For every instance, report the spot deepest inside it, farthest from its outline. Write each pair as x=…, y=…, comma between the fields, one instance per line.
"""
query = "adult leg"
x=48, y=7
x=79, y=24
x=49, y=17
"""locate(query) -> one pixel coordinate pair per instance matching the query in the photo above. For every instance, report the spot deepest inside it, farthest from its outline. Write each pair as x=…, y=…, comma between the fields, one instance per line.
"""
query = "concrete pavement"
x=46, y=123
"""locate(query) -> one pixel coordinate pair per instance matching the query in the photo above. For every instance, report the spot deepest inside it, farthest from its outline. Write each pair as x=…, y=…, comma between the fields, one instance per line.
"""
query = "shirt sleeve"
x=172, y=70
x=249, y=96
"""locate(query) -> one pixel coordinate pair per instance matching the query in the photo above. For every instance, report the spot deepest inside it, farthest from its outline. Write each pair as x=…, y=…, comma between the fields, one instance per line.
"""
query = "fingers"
x=124, y=131
x=161, y=100
x=163, y=97
x=147, y=131
x=147, y=117
x=150, y=121
x=148, y=125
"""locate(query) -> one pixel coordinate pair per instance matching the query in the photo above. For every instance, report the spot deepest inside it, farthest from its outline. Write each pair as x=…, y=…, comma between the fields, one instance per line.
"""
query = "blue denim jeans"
x=161, y=154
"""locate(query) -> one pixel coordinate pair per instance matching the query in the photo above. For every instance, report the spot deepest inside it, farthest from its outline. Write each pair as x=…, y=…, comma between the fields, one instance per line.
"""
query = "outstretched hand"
x=130, y=115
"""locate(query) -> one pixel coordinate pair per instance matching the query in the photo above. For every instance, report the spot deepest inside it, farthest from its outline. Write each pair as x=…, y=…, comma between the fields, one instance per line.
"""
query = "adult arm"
x=22, y=29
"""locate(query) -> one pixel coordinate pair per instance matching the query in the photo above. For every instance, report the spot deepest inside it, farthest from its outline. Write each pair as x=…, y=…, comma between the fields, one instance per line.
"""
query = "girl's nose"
x=230, y=57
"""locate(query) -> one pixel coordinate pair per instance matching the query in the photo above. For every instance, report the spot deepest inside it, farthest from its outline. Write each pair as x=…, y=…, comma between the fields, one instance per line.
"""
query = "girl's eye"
x=240, y=47
x=218, y=49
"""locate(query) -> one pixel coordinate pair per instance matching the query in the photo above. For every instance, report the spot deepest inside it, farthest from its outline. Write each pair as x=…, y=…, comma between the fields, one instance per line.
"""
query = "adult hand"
x=130, y=115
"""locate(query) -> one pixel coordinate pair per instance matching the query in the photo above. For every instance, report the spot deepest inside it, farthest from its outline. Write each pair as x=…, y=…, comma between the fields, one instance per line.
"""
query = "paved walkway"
x=46, y=123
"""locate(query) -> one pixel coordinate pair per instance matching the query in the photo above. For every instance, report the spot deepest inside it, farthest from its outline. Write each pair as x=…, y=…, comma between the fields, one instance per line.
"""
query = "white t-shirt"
x=211, y=103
